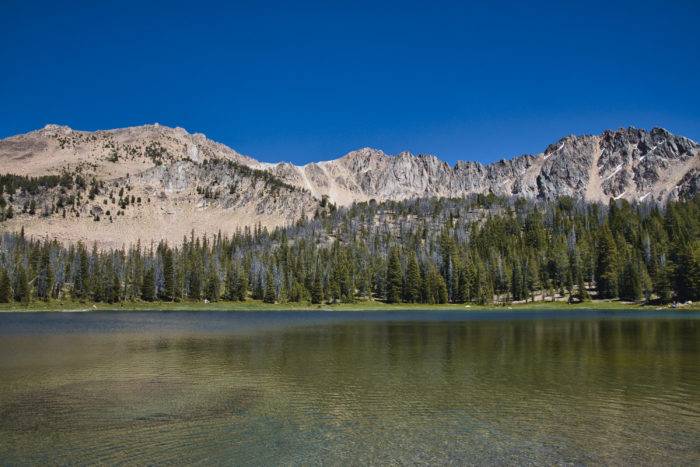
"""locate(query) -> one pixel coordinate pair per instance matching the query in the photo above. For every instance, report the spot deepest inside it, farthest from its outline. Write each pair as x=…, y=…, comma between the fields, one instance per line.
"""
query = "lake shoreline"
x=369, y=306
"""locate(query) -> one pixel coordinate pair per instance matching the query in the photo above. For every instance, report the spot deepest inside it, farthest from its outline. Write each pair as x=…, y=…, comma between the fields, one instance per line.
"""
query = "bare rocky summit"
x=629, y=163
x=148, y=183
x=154, y=182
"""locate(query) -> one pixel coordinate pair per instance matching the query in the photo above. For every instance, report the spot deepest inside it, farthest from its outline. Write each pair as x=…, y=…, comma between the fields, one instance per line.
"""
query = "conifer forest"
x=478, y=249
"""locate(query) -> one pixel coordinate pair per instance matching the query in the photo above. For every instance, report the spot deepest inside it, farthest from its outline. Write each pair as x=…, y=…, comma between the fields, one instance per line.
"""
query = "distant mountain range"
x=187, y=181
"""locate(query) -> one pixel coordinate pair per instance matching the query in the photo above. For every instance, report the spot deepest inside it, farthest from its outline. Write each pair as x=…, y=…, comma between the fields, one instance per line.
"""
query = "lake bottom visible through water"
x=350, y=387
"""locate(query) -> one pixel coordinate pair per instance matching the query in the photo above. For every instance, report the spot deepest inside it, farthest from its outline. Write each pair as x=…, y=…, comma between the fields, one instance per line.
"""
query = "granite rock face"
x=628, y=163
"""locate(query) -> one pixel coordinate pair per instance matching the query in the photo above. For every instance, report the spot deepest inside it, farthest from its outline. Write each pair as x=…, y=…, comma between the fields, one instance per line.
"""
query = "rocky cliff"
x=629, y=163
x=153, y=182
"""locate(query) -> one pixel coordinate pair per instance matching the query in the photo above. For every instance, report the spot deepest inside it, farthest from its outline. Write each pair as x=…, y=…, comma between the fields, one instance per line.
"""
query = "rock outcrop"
x=147, y=183
x=628, y=163
x=176, y=181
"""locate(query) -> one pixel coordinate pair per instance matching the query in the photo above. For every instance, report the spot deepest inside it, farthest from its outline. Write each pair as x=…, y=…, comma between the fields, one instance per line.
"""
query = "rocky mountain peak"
x=626, y=163
x=364, y=153
x=198, y=178
x=53, y=128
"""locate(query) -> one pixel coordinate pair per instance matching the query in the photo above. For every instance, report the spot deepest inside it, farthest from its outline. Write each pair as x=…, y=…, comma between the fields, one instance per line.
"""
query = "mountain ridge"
x=56, y=127
x=583, y=159
x=187, y=181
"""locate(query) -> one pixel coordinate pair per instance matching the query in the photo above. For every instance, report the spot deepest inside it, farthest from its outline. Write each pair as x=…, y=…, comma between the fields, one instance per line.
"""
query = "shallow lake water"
x=554, y=387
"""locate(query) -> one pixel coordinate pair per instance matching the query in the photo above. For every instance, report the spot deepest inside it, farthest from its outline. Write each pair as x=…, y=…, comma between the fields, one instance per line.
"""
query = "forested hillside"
x=479, y=249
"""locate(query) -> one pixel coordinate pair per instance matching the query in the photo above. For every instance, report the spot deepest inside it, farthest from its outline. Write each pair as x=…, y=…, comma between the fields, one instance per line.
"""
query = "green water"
x=350, y=388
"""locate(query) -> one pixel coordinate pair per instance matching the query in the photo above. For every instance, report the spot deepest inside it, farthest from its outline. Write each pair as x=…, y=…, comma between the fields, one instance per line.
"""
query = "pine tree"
x=231, y=283
x=96, y=285
x=483, y=285
x=259, y=289
x=517, y=283
x=178, y=290
x=334, y=293
x=394, y=277
x=95, y=274
x=426, y=291
x=242, y=285
x=606, y=267
x=116, y=288
x=662, y=284
x=317, y=289
x=108, y=281
x=270, y=296
x=412, y=287
x=440, y=289
x=379, y=280
x=81, y=279
x=582, y=292
x=647, y=284
x=347, y=286
x=5, y=287
x=168, y=275
x=195, y=282
x=447, y=248
x=533, y=277
x=296, y=291
x=212, y=289
x=148, y=286
x=686, y=275
x=631, y=283
x=570, y=284
x=21, y=288
x=461, y=289
x=45, y=277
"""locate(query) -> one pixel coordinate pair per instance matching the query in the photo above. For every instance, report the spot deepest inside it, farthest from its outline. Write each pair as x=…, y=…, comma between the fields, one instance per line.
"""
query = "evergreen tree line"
x=478, y=249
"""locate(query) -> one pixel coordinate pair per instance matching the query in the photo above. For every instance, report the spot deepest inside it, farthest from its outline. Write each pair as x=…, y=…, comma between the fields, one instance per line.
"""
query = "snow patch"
x=620, y=195
x=546, y=156
x=617, y=169
x=643, y=197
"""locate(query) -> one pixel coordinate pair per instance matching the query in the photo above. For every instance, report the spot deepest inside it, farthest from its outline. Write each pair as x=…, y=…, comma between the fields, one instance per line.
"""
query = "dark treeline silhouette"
x=479, y=249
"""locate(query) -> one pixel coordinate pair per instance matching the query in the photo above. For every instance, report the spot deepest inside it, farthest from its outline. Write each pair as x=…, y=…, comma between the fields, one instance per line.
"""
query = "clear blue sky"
x=303, y=81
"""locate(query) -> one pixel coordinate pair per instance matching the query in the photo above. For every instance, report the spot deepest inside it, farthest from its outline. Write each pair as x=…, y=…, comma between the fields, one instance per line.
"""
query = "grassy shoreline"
x=254, y=305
